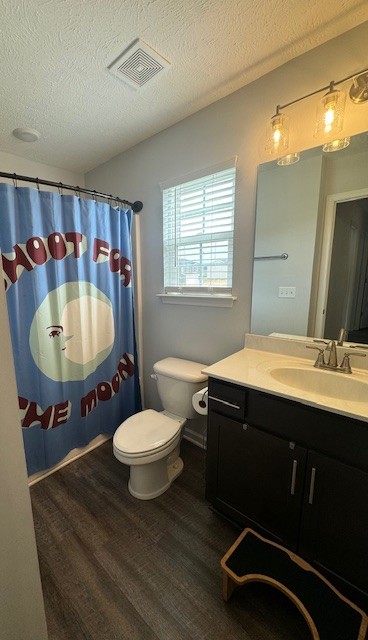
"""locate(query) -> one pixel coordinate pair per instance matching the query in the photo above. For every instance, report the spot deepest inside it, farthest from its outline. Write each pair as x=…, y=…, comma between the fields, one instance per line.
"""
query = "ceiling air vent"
x=138, y=64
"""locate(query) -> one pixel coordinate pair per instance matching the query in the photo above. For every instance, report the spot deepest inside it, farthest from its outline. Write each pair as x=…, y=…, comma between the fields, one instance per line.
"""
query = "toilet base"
x=151, y=480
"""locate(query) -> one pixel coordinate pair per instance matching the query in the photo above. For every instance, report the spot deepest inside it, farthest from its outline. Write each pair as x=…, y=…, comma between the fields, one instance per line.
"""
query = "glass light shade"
x=330, y=112
x=277, y=135
x=290, y=158
x=336, y=145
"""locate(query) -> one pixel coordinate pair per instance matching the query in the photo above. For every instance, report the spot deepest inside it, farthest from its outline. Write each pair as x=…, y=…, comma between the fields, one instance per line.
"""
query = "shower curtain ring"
x=77, y=192
x=38, y=183
x=15, y=182
x=60, y=187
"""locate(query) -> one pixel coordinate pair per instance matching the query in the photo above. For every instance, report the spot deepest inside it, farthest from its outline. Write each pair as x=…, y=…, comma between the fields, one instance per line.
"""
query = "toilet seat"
x=146, y=433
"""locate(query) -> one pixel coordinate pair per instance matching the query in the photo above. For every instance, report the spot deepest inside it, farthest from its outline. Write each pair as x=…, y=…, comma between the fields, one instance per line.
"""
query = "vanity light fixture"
x=330, y=117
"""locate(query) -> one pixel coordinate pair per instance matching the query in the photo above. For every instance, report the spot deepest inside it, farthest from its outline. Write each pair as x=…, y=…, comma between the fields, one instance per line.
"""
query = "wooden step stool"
x=329, y=615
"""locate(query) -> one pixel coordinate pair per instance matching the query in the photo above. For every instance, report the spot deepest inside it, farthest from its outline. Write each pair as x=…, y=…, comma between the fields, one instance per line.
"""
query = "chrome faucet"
x=331, y=363
x=332, y=355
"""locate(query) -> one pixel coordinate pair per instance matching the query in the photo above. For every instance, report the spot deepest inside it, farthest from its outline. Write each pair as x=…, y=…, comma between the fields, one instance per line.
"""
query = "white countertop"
x=251, y=368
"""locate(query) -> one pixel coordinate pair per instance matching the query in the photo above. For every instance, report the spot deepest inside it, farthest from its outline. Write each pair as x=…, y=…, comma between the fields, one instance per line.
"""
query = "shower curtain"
x=68, y=279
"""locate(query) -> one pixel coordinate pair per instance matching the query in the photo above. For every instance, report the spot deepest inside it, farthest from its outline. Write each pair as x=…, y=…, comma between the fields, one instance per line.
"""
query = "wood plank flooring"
x=117, y=568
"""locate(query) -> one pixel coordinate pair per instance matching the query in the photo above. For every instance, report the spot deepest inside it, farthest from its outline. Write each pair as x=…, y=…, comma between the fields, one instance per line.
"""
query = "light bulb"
x=276, y=135
x=328, y=119
x=330, y=112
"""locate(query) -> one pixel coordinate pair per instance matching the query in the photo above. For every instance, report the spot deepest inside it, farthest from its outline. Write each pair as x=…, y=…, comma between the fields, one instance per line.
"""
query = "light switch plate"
x=287, y=292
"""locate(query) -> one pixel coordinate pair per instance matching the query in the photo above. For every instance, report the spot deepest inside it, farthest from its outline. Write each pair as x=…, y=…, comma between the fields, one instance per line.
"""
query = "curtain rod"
x=135, y=206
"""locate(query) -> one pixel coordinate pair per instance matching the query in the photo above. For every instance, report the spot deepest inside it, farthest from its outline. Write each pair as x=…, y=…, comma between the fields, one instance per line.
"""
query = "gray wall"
x=347, y=172
x=287, y=212
x=199, y=333
x=232, y=126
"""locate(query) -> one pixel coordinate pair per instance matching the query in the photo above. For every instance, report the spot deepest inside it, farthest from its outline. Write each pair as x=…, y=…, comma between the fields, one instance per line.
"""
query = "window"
x=198, y=220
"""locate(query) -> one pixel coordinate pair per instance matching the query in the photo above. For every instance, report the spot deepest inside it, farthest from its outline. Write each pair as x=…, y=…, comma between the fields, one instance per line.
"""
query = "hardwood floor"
x=117, y=568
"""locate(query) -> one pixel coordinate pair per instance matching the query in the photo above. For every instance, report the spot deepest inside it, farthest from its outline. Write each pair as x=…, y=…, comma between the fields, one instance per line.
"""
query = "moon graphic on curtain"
x=72, y=331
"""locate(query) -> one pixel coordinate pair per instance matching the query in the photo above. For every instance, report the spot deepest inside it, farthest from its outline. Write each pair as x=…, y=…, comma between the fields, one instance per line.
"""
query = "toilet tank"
x=177, y=381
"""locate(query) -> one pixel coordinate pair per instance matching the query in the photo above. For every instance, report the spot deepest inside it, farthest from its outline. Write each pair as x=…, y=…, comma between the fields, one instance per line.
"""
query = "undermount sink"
x=326, y=383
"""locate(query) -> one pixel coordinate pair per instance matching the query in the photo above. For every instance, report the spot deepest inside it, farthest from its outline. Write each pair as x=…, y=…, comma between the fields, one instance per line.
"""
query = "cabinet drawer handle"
x=293, y=477
x=311, y=486
x=225, y=402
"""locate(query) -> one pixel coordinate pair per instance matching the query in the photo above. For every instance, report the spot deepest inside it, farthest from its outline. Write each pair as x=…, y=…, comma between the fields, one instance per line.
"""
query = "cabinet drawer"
x=227, y=399
x=337, y=436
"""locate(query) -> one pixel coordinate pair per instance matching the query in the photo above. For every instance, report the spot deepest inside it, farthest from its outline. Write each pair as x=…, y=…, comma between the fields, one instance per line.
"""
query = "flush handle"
x=293, y=477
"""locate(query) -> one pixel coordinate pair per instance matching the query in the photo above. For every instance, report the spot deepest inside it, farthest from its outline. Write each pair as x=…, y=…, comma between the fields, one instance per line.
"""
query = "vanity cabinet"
x=258, y=477
x=334, y=524
x=296, y=474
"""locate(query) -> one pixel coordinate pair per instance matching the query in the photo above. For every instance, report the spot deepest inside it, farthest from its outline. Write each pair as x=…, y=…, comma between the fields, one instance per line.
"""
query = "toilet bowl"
x=149, y=441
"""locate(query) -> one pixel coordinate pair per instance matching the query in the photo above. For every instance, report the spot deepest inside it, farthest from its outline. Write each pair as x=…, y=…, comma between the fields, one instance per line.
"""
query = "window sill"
x=198, y=299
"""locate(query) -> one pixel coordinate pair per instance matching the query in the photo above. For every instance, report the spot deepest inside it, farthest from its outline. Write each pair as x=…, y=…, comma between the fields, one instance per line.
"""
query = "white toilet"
x=149, y=441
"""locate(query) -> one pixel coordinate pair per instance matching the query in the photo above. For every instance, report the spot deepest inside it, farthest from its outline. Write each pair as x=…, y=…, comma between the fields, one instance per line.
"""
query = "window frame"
x=202, y=294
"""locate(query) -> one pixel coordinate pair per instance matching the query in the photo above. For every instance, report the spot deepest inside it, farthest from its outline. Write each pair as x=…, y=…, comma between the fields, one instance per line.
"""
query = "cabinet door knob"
x=245, y=426
x=293, y=477
x=311, y=486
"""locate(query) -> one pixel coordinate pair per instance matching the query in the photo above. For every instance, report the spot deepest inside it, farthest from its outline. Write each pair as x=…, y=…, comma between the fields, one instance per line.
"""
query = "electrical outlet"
x=287, y=292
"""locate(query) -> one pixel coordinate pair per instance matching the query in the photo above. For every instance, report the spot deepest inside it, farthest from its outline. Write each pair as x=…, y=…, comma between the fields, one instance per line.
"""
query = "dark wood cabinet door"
x=260, y=477
x=334, y=530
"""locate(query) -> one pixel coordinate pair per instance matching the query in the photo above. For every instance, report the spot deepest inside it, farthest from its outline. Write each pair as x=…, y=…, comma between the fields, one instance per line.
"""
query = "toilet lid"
x=145, y=431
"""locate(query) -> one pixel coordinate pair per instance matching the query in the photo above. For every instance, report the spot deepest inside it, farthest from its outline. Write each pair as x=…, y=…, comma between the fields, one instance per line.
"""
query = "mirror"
x=311, y=245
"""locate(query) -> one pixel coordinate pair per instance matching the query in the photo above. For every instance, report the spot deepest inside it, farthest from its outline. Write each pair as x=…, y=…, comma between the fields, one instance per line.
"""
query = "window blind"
x=198, y=221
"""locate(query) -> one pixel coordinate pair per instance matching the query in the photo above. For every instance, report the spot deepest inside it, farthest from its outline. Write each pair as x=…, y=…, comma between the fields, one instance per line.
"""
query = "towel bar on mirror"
x=284, y=256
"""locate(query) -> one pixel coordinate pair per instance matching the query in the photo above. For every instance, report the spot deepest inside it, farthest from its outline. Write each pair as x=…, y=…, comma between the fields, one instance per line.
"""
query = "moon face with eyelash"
x=72, y=331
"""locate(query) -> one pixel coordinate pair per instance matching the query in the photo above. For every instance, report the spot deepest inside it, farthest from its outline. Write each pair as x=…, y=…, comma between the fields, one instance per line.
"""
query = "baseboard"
x=72, y=455
x=196, y=438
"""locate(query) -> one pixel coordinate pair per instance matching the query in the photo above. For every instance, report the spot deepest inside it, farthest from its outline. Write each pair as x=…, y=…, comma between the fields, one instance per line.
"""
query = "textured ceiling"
x=55, y=53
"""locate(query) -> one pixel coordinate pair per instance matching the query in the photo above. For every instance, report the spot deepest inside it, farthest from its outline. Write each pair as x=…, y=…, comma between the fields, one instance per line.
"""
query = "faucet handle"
x=361, y=355
x=345, y=365
x=320, y=358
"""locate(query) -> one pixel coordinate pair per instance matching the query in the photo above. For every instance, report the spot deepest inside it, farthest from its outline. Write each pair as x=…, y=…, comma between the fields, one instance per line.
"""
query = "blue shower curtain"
x=68, y=279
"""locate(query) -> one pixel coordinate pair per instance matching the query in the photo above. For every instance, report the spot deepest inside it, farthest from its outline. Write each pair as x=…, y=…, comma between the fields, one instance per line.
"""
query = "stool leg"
x=228, y=586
